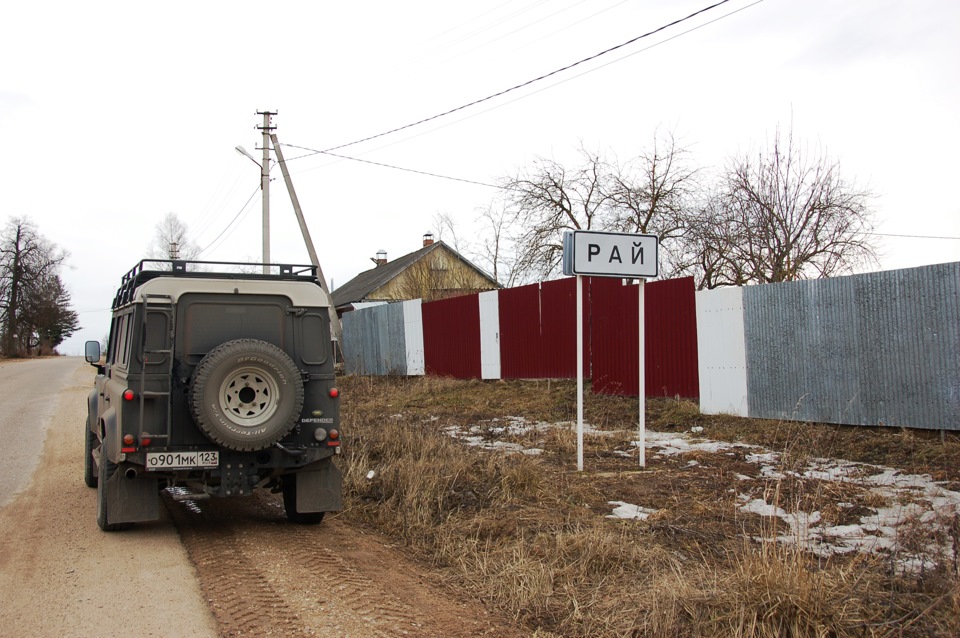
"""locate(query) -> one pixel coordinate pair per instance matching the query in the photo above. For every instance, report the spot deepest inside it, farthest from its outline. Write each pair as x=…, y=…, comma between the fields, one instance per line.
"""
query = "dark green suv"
x=216, y=382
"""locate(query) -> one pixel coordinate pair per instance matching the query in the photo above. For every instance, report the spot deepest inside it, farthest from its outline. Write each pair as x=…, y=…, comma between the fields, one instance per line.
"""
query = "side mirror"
x=91, y=352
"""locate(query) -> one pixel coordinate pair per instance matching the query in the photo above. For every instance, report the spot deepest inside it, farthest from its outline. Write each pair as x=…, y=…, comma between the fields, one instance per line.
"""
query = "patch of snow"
x=905, y=499
x=765, y=457
x=917, y=499
x=628, y=511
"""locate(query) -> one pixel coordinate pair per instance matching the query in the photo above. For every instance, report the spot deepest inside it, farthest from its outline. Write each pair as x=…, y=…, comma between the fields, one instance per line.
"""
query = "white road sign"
x=626, y=255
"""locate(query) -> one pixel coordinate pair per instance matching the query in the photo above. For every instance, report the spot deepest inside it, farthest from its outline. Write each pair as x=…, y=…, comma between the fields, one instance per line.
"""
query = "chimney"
x=427, y=239
x=381, y=258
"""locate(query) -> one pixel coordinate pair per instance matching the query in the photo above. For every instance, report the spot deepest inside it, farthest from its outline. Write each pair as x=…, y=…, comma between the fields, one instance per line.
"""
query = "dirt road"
x=241, y=569
x=59, y=574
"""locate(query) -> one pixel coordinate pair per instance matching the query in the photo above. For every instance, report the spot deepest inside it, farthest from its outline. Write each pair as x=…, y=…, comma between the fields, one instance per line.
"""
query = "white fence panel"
x=722, y=353
x=413, y=337
x=490, y=334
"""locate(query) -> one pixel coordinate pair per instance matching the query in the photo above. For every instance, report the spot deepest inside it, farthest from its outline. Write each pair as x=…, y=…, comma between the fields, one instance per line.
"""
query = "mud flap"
x=320, y=489
x=132, y=500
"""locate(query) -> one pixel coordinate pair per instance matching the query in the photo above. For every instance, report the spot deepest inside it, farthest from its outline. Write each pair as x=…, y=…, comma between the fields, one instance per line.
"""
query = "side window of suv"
x=124, y=326
x=115, y=333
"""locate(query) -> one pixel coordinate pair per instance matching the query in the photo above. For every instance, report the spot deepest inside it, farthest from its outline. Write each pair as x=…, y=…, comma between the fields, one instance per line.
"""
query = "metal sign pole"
x=579, y=373
x=642, y=388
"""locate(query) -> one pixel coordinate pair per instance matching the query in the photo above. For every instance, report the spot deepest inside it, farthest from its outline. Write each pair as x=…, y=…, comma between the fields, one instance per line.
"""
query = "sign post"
x=641, y=378
x=579, y=373
x=620, y=255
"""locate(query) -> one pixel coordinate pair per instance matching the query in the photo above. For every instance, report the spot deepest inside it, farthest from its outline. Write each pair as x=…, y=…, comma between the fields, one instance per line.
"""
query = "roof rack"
x=148, y=269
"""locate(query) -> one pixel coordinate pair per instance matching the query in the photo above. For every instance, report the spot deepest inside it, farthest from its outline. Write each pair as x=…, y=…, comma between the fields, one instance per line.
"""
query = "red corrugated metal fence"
x=451, y=337
x=670, y=337
x=538, y=331
x=537, y=335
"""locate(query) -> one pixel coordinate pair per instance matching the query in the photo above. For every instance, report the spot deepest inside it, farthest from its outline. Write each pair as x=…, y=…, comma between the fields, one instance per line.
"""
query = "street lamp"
x=245, y=153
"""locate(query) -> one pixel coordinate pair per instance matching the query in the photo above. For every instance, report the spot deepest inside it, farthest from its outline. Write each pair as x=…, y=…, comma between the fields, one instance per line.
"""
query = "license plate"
x=182, y=460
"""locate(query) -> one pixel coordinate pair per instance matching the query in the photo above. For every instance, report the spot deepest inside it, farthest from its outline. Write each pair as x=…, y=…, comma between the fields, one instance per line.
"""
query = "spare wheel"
x=246, y=394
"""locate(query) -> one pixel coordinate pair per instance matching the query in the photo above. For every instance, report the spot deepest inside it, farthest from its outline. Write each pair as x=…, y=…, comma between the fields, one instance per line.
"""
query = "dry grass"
x=529, y=535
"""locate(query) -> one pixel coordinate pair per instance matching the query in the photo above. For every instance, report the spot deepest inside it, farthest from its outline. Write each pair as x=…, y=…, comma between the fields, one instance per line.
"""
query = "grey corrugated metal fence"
x=374, y=341
x=874, y=349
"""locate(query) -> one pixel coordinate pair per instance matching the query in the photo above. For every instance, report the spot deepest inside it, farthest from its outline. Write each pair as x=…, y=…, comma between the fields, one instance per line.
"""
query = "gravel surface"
x=227, y=567
x=59, y=574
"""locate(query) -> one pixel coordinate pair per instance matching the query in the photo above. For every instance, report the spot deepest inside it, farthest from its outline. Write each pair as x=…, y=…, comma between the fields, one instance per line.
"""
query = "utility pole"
x=334, y=320
x=266, y=128
x=268, y=137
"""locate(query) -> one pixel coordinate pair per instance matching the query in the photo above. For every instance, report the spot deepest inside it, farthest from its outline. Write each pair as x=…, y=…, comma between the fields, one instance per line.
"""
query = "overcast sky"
x=114, y=114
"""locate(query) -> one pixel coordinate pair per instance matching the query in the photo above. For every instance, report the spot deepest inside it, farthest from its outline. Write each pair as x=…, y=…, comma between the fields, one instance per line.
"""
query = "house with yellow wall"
x=435, y=271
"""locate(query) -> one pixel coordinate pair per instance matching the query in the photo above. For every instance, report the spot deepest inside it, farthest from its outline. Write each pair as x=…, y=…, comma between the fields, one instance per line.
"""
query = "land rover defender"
x=215, y=382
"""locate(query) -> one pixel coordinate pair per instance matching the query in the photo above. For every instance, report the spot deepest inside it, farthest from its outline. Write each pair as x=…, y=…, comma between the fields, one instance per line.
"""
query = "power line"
x=399, y=168
x=520, y=97
x=521, y=28
x=474, y=19
x=311, y=152
x=498, y=21
x=529, y=82
x=231, y=222
x=562, y=81
x=913, y=236
x=570, y=26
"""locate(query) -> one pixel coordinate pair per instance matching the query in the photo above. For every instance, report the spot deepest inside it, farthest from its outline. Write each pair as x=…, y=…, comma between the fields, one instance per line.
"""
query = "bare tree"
x=447, y=232
x=496, y=252
x=172, y=240
x=788, y=214
x=782, y=214
x=28, y=265
x=549, y=200
x=657, y=193
x=704, y=251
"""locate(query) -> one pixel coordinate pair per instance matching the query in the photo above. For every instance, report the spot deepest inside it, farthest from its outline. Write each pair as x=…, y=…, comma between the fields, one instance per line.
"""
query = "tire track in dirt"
x=264, y=576
x=242, y=599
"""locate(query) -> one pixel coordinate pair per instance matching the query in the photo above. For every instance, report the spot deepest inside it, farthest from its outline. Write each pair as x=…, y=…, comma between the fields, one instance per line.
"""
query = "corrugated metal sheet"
x=881, y=348
x=558, y=318
x=451, y=337
x=413, y=336
x=374, y=341
x=613, y=336
x=520, y=332
x=489, y=334
x=670, y=336
x=722, y=352
x=538, y=331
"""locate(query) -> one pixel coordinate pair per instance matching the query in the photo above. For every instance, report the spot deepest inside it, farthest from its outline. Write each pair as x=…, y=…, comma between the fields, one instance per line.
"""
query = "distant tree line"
x=780, y=213
x=35, y=313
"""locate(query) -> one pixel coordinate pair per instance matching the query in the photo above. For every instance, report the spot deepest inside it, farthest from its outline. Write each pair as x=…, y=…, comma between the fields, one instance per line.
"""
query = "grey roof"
x=366, y=282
